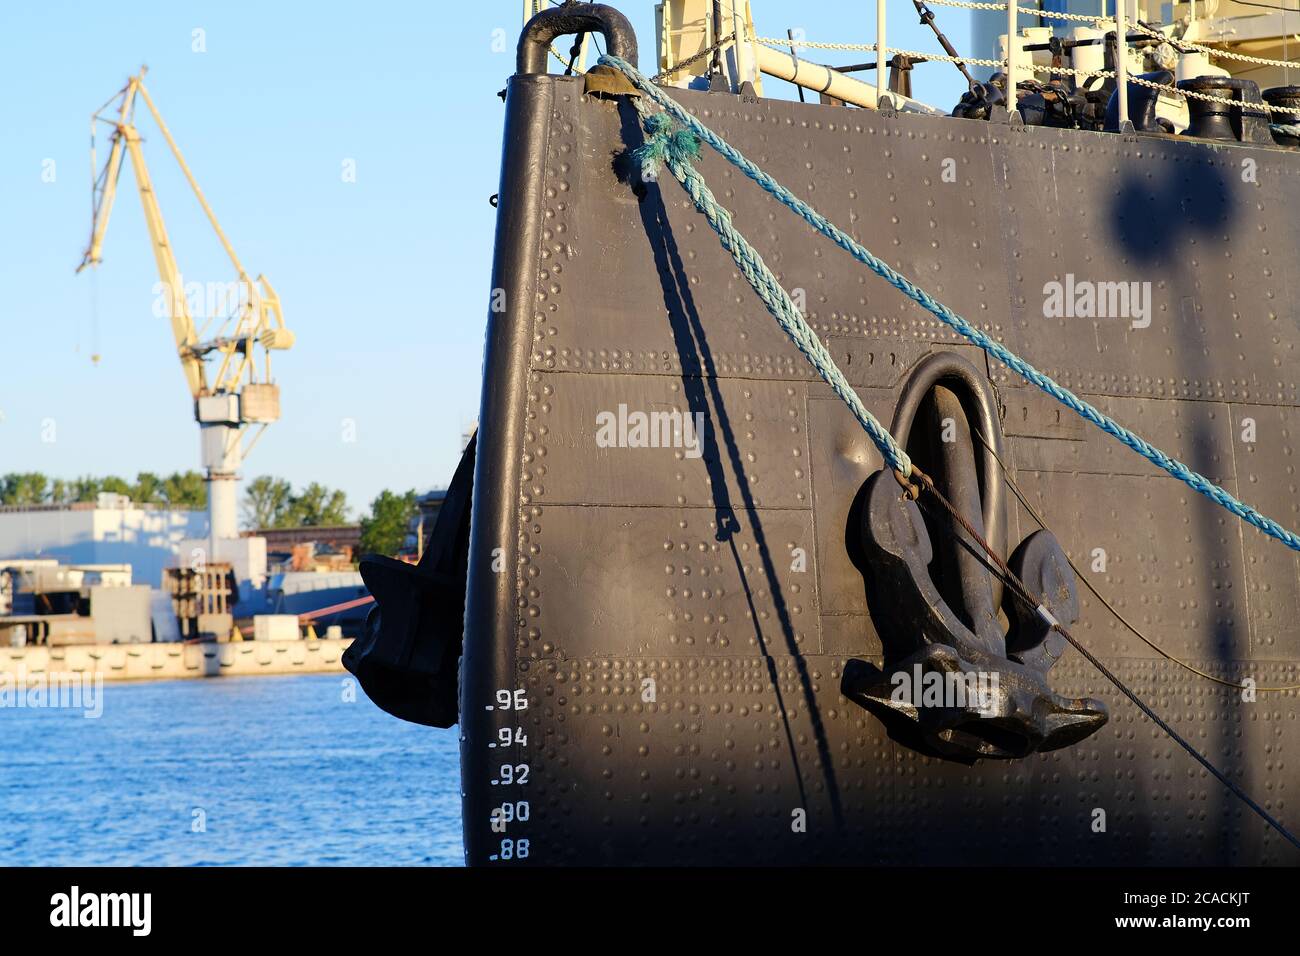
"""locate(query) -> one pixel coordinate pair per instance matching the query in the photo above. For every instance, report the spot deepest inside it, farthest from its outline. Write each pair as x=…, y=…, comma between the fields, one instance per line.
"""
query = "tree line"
x=273, y=503
x=268, y=502
x=181, y=489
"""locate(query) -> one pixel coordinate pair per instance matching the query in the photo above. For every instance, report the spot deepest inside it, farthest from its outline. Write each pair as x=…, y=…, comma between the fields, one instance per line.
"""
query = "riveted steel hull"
x=680, y=669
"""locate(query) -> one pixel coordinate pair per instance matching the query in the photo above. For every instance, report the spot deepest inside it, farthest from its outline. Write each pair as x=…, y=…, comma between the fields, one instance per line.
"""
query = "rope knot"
x=665, y=141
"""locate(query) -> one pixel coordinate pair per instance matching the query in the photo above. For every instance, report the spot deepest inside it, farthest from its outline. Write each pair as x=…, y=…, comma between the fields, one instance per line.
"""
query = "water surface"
x=240, y=770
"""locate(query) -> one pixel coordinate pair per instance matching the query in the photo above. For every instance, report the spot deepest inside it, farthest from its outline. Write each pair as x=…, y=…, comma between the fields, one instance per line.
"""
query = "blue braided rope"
x=670, y=148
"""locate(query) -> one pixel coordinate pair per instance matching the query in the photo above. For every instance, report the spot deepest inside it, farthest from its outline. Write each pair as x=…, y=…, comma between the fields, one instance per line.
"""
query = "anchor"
x=960, y=680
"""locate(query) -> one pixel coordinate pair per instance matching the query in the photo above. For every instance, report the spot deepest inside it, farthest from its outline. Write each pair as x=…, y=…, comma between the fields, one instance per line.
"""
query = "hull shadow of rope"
x=701, y=386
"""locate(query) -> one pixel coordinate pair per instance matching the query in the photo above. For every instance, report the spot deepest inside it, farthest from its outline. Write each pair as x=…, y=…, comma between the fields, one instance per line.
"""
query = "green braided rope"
x=676, y=148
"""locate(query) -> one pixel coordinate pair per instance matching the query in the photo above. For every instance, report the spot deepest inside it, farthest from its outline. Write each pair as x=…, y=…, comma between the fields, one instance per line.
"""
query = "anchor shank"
x=963, y=577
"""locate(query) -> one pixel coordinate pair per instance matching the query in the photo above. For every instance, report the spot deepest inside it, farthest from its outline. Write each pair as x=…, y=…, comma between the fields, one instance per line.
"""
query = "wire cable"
x=1015, y=490
x=1018, y=587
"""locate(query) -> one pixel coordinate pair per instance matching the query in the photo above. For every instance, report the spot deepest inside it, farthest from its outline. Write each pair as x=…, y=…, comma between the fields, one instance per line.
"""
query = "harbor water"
x=295, y=770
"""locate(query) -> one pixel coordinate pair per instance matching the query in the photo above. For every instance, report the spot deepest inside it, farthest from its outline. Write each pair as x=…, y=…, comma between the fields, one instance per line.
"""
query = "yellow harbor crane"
x=241, y=392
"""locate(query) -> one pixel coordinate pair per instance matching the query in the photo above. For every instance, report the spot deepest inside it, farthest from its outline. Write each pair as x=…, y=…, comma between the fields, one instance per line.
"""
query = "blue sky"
x=384, y=280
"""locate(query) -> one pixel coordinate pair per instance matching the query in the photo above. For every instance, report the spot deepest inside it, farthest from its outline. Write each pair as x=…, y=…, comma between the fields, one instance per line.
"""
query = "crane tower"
x=228, y=372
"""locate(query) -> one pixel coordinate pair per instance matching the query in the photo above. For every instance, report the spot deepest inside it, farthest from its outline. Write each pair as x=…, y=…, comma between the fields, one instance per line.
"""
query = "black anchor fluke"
x=958, y=679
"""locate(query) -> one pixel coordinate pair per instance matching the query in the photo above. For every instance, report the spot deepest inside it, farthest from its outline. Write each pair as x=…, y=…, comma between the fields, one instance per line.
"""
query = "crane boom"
x=127, y=137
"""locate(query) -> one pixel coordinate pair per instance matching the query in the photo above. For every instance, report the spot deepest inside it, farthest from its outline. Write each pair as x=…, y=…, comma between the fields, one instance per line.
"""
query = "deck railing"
x=779, y=57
